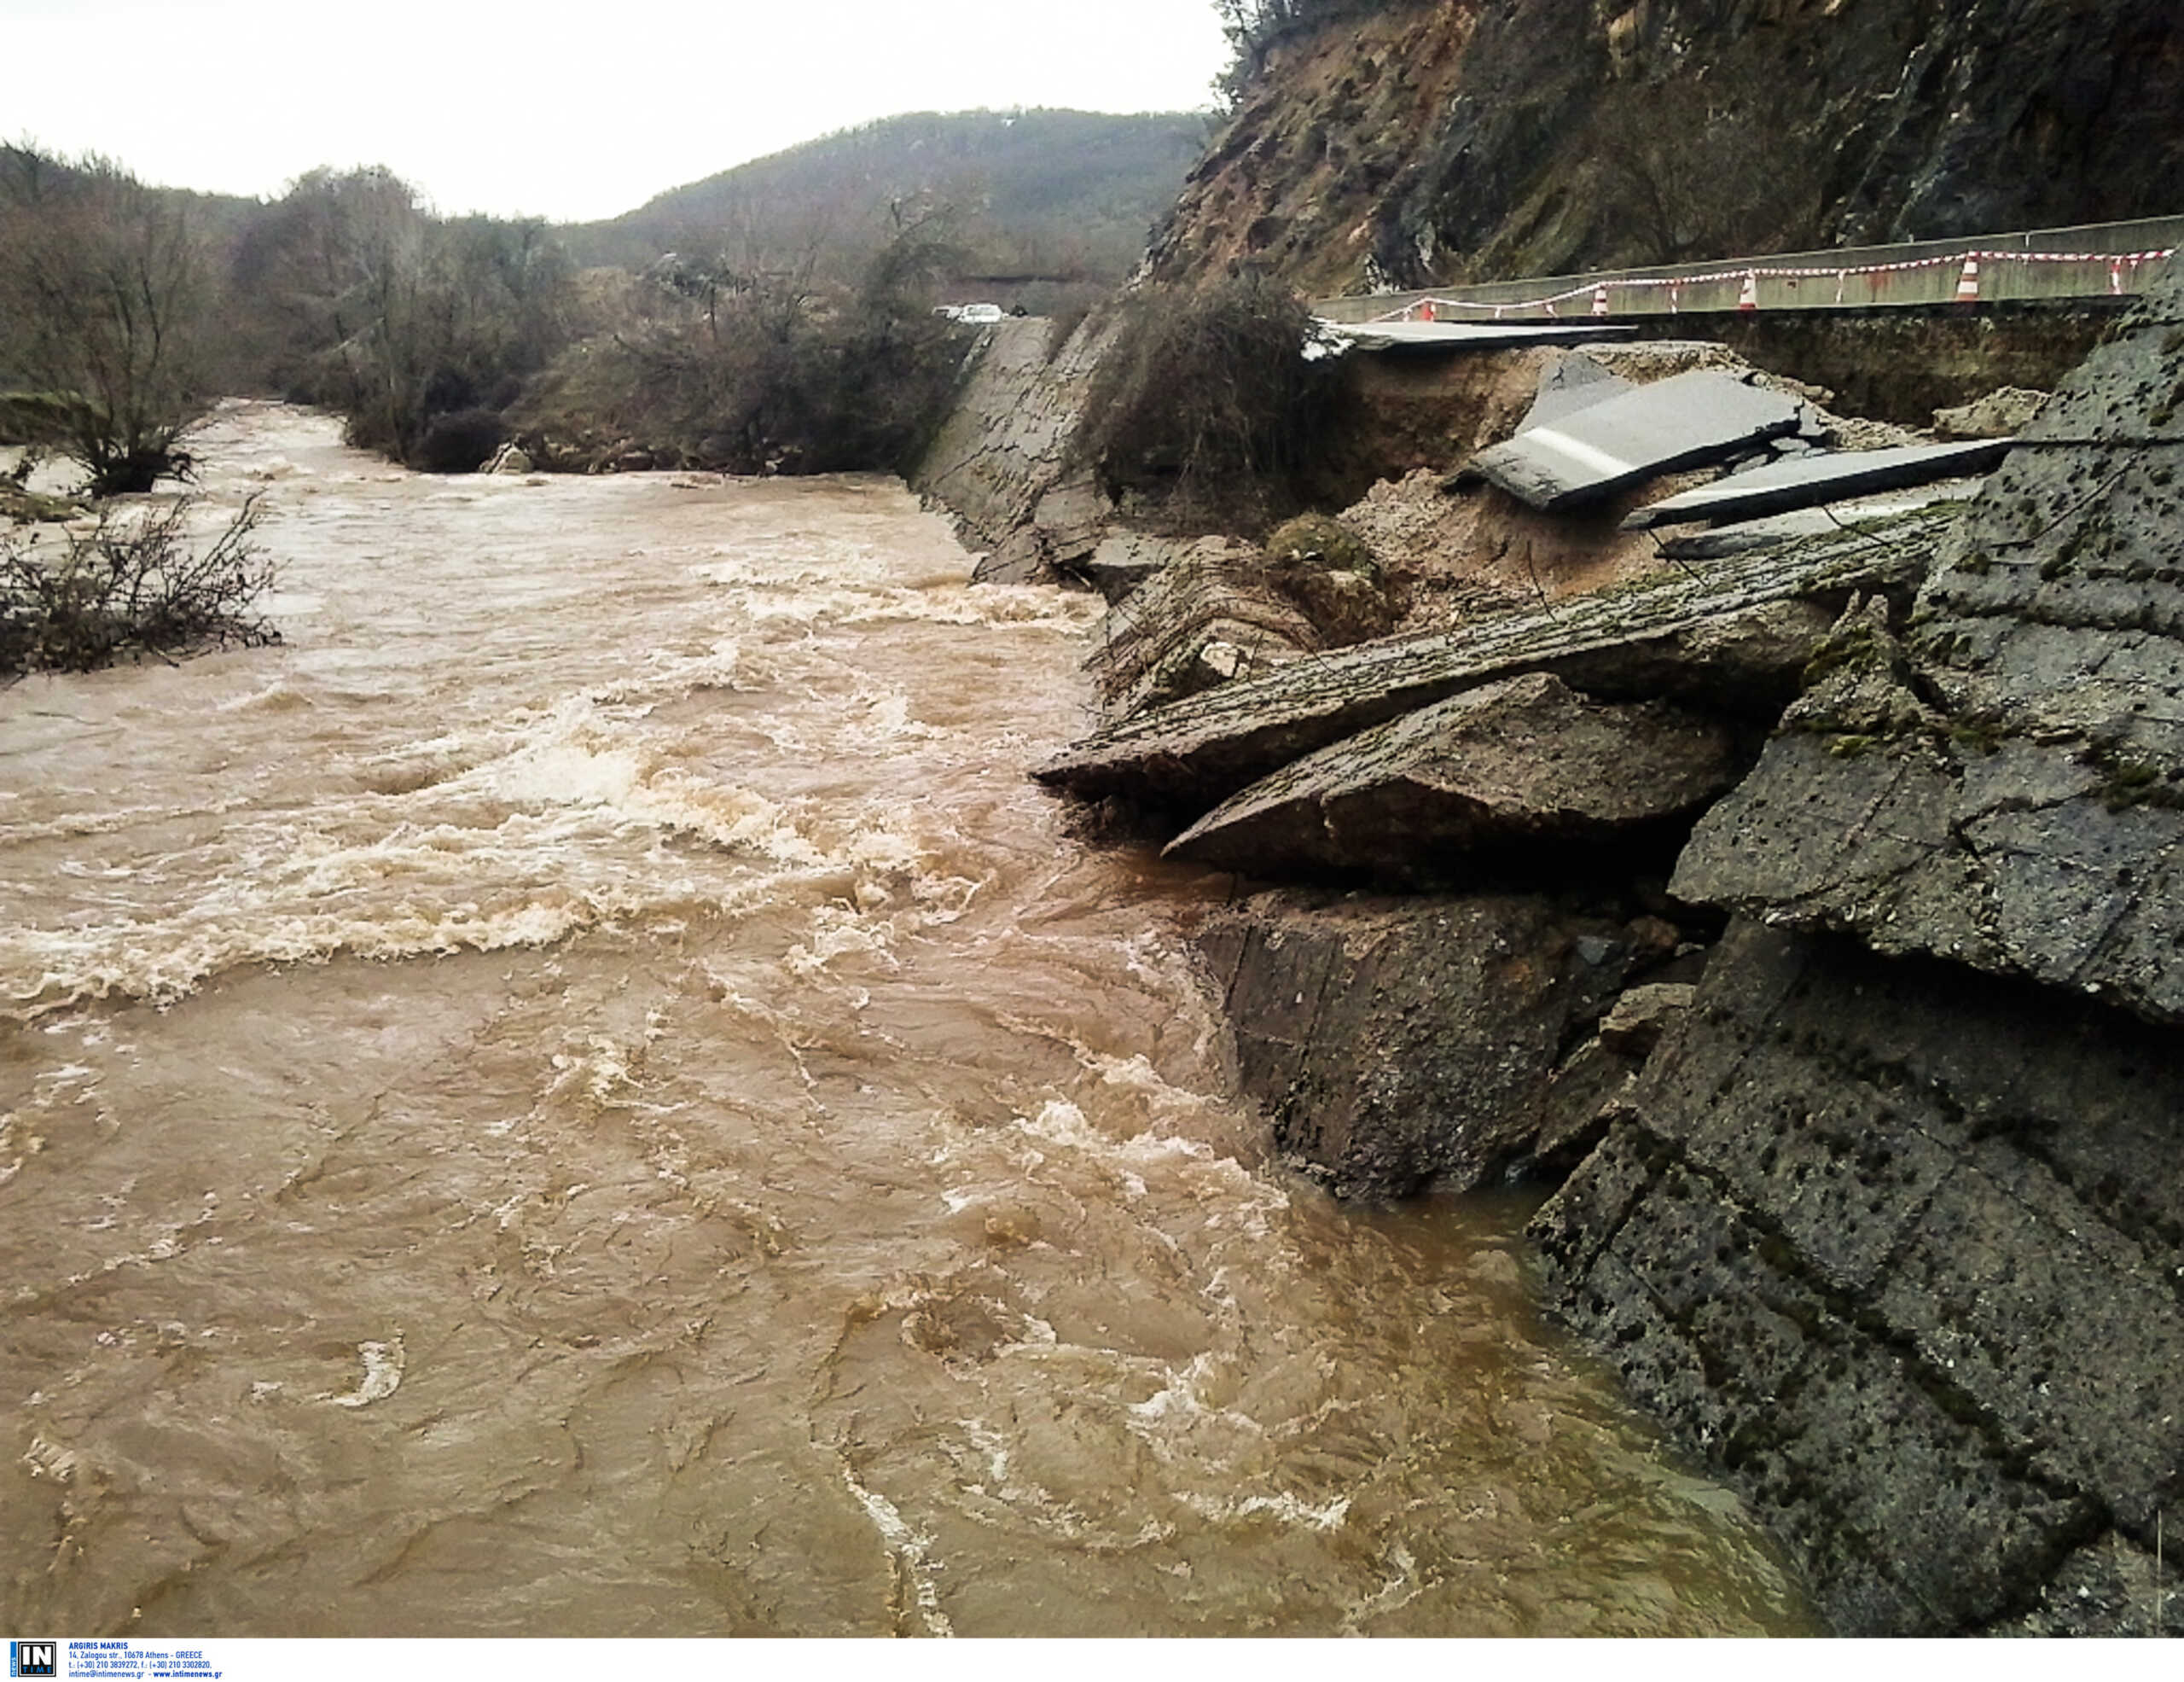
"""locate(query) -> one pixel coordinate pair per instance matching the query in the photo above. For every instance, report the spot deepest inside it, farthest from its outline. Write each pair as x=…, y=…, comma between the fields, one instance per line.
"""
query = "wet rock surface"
x=1519, y=763
x=2021, y=808
x=1901, y=1250
x=1399, y=1043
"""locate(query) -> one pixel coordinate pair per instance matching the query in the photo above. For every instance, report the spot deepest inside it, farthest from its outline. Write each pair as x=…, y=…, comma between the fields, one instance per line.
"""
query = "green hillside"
x=1044, y=195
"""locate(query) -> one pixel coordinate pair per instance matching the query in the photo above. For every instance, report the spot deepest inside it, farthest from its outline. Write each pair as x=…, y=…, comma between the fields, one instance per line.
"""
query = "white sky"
x=536, y=107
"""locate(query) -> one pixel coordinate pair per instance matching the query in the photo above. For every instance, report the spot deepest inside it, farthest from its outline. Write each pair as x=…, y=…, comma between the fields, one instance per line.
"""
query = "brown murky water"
x=586, y=1094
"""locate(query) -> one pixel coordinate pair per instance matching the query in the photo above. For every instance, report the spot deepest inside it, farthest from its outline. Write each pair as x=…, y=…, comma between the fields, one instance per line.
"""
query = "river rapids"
x=585, y=1093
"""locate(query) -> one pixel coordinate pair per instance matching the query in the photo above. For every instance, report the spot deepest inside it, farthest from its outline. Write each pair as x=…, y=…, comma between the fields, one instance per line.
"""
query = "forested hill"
x=1055, y=195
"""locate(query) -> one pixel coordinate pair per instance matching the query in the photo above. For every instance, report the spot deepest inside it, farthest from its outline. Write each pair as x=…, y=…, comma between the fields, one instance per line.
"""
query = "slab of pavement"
x=1588, y=455
x=1823, y=476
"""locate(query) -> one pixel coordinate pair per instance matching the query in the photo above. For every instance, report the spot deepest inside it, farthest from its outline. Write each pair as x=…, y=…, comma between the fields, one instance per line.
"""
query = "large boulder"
x=2006, y=788
x=1398, y=1043
x=1526, y=763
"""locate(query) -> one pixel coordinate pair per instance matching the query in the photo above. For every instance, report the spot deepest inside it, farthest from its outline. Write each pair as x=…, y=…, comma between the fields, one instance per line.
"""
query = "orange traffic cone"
x=1967, y=287
x=1600, y=300
x=1749, y=298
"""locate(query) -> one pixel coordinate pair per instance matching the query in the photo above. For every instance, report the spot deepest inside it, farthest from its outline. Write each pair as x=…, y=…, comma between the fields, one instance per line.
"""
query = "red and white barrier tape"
x=1968, y=261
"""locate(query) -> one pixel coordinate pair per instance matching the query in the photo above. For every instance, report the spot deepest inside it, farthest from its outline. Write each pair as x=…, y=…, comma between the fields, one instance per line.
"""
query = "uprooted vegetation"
x=131, y=585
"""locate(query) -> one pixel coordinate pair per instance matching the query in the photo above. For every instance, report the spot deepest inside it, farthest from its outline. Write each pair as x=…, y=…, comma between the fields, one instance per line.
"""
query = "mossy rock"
x=1324, y=567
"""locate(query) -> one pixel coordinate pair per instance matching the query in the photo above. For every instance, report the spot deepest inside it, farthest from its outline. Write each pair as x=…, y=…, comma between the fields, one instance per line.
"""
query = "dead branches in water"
x=129, y=585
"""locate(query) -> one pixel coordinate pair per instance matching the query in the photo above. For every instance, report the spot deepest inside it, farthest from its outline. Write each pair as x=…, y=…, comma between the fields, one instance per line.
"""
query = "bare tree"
x=103, y=294
x=1688, y=177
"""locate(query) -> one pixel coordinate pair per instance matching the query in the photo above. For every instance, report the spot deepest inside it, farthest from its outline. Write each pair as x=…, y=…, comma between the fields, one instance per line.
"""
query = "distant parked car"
x=978, y=315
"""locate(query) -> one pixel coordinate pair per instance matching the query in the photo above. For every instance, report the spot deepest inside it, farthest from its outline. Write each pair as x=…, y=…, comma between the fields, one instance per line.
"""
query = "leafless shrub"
x=133, y=584
x=1208, y=402
x=764, y=366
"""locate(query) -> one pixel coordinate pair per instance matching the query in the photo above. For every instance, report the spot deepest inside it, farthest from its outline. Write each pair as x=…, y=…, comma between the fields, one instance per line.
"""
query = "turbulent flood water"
x=585, y=1093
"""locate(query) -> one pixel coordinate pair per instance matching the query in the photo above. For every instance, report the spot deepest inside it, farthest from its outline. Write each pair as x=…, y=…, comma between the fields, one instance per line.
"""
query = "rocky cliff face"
x=1417, y=141
x=1893, y=1232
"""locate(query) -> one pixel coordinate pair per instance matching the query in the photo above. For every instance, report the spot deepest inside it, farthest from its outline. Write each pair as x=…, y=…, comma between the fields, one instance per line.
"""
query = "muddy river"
x=585, y=1093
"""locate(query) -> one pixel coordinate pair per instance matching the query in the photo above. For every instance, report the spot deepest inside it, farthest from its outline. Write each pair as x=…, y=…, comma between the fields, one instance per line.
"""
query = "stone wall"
x=1001, y=463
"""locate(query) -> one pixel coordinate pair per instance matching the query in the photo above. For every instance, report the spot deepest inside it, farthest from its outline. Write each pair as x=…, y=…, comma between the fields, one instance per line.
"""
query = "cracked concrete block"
x=1734, y=635
x=1526, y=763
x=1398, y=1043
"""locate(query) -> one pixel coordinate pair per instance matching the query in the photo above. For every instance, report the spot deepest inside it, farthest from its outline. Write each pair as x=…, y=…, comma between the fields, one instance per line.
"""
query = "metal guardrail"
x=2107, y=259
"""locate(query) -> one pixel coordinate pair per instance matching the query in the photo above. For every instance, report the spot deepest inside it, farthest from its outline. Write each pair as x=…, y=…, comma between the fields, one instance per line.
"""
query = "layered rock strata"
x=1892, y=1231
x=2007, y=788
x=1899, y=1250
x=1419, y=141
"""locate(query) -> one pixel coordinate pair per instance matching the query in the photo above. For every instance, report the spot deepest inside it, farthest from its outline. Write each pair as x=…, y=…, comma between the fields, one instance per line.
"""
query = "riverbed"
x=585, y=1093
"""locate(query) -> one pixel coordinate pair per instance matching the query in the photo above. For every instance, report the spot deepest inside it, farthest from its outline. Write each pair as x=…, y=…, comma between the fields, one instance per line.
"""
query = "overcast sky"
x=570, y=111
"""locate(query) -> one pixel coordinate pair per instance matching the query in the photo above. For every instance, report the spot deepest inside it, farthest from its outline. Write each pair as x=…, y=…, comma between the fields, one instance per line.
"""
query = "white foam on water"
x=911, y=1549
x=384, y=1364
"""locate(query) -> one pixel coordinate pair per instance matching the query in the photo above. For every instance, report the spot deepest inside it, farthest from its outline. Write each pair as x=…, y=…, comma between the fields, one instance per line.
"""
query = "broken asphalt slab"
x=1686, y=421
x=1735, y=634
x=1415, y=338
x=1522, y=763
x=1872, y=514
x=1574, y=383
x=1822, y=477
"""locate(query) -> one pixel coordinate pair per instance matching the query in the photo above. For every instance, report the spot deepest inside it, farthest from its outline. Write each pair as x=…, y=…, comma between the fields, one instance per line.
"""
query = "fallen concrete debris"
x=1821, y=477
x=1873, y=515
x=2000, y=414
x=1686, y=421
x=1643, y=1015
x=1124, y=560
x=1427, y=338
x=1519, y=763
x=2018, y=804
x=1735, y=635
